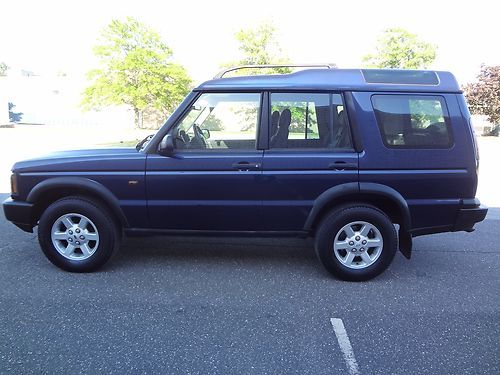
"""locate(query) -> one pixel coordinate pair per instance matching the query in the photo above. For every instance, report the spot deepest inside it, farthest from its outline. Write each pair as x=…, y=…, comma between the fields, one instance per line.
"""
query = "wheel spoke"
x=372, y=242
x=69, y=249
x=59, y=236
x=349, y=258
x=85, y=249
x=366, y=257
x=67, y=222
x=339, y=245
x=365, y=229
x=349, y=231
x=83, y=223
x=92, y=236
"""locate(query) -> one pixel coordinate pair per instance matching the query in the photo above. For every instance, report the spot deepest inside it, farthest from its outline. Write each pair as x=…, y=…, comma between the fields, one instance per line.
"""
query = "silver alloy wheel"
x=358, y=244
x=75, y=236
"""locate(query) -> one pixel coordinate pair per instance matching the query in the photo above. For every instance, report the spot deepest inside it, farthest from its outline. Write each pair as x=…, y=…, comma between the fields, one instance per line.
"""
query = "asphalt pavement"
x=175, y=305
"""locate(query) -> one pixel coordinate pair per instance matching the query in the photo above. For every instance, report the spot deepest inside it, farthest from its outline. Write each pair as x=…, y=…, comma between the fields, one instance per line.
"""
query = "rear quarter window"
x=413, y=121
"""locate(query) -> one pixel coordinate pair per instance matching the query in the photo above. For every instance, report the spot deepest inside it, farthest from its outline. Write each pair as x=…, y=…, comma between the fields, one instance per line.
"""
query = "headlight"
x=13, y=184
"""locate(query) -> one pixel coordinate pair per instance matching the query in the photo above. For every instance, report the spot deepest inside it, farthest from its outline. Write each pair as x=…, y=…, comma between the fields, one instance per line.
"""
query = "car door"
x=419, y=147
x=210, y=181
x=310, y=151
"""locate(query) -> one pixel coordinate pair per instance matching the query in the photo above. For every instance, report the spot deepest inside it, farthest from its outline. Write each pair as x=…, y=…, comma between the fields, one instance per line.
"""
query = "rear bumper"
x=469, y=214
x=19, y=213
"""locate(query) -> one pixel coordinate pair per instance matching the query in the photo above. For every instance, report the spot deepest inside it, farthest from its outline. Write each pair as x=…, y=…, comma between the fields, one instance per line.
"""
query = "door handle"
x=342, y=166
x=246, y=166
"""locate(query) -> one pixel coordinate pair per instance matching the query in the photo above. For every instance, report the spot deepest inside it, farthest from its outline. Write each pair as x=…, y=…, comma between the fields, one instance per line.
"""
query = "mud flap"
x=405, y=243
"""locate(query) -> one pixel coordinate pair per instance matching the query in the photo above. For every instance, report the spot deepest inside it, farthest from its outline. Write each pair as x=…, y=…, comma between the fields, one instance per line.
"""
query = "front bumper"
x=20, y=213
x=469, y=214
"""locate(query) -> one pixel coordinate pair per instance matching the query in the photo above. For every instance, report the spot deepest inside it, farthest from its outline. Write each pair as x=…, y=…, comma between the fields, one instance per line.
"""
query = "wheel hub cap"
x=75, y=236
x=358, y=244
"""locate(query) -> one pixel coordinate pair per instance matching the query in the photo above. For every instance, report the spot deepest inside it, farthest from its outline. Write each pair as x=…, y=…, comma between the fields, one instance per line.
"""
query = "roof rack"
x=225, y=71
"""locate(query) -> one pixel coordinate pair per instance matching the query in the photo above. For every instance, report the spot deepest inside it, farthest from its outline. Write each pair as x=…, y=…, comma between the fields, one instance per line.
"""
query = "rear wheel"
x=356, y=243
x=77, y=234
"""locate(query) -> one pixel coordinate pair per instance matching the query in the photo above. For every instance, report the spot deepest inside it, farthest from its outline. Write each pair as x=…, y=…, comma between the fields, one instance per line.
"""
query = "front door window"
x=220, y=121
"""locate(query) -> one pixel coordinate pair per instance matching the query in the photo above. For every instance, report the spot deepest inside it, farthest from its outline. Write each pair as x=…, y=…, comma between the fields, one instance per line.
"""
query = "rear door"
x=310, y=151
x=211, y=182
x=417, y=144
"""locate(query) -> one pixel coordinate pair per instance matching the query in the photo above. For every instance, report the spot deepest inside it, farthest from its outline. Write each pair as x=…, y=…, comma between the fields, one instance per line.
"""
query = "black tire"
x=107, y=228
x=333, y=223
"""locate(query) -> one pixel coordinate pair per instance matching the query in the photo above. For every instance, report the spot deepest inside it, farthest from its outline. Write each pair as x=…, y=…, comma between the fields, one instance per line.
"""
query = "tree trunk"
x=138, y=118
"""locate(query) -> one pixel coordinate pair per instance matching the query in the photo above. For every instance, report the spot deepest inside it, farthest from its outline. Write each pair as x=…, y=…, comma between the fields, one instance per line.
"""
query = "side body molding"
x=80, y=183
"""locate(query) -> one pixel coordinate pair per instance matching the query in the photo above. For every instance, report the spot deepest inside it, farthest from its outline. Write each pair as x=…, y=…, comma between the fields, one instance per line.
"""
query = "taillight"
x=13, y=184
x=474, y=141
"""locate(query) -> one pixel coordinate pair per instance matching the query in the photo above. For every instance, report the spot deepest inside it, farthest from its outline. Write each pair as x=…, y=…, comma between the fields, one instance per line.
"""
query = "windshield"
x=198, y=114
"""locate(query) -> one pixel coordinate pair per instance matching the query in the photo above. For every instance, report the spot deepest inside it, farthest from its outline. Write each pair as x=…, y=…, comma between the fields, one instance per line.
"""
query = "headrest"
x=275, y=117
x=285, y=118
x=342, y=117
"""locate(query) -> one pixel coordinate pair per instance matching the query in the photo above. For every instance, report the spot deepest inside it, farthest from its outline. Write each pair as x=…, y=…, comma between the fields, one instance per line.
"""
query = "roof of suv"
x=342, y=79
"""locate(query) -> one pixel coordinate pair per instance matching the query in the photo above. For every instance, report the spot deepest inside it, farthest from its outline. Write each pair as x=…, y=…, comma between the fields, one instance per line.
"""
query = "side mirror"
x=166, y=147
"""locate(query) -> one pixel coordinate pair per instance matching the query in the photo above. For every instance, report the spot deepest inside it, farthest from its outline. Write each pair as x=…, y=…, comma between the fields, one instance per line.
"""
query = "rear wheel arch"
x=51, y=190
x=382, y=197
x=395, y=202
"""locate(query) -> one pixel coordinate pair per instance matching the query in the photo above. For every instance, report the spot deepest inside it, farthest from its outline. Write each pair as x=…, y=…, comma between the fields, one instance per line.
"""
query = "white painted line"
x=345, y=346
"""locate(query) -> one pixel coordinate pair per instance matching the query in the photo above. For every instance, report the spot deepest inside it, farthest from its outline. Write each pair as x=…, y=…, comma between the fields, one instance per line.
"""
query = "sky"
x=48, y=36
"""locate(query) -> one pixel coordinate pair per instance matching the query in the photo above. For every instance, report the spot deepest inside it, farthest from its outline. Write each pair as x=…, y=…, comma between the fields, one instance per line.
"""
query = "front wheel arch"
x=49, y=191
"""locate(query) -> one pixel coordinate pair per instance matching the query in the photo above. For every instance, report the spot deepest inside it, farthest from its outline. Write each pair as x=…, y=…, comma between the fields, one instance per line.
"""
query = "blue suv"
x=362, y=160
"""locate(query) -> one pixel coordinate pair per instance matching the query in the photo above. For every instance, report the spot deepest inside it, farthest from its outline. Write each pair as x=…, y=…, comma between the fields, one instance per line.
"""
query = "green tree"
x=136, y=69
x=483, y=96
x=259, y=46
x=3, y=68
x=400, y=49
x=213, y=123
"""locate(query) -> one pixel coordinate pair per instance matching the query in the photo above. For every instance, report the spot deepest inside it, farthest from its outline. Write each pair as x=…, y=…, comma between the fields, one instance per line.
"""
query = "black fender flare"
x=366, y=188
x=82, y=183
x=394, y=195
x=326, y=197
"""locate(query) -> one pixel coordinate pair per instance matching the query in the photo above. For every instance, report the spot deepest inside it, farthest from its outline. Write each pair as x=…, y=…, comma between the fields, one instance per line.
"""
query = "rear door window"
x=413, y=121
x=309, y=121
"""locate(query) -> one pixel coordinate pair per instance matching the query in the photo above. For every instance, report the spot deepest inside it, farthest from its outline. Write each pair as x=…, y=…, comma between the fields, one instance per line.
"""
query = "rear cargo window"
x=413, y=121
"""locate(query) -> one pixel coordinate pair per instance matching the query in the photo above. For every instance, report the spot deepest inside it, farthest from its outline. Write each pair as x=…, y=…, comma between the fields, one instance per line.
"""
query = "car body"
x=280, y=155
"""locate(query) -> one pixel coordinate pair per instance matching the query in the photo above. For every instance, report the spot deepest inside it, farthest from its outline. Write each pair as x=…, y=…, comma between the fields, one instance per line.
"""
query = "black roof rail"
x=267, y=66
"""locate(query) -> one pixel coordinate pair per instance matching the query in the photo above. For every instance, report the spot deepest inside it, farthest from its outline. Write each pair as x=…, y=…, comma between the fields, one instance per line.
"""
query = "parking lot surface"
x=251, y=306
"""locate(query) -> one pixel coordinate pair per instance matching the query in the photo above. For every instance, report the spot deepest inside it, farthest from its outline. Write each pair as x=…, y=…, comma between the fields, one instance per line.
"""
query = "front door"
x=211, y=182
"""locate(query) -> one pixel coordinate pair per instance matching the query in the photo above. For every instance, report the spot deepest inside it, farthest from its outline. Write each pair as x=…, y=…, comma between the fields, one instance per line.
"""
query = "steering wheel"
x=182, y=139
x=199, y=138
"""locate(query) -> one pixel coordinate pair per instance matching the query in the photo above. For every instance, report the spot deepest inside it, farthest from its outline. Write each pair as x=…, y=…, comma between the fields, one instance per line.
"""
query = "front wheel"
x=77, y=234
x=356, y=243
